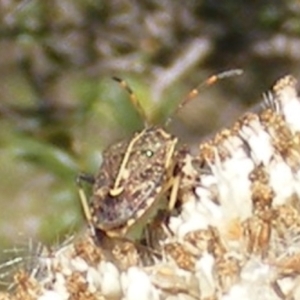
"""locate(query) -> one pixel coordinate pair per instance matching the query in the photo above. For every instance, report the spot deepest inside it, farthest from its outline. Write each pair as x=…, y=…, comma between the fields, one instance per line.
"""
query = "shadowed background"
x=59, y=107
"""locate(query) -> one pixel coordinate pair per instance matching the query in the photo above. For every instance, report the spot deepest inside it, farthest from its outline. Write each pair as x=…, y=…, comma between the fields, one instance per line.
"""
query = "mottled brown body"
x=132, y=181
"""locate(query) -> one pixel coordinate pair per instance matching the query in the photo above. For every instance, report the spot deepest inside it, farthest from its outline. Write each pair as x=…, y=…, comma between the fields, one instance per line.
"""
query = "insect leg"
x=84, y=201
x=174, y=192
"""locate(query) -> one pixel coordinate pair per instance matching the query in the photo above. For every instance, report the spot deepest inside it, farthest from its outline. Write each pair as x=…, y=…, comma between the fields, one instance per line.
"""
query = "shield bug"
x=138, y=177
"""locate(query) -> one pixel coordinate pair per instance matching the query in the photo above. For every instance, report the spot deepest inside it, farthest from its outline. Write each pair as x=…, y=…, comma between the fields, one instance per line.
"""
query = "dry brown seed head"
x=85, y=248
x=181, y=256
x=201, y=239
x=77, y=287
x=27, y=288
x=257, y=233
x=126, y=255
x=227, y=271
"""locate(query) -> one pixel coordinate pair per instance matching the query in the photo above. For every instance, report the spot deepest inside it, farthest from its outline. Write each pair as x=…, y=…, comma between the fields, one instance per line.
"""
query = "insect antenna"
x=208, y=82
x=134, y=99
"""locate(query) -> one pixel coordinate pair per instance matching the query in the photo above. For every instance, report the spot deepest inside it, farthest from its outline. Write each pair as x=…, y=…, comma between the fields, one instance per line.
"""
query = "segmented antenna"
x=208, y=82
x=190, y=96
x=133, y=98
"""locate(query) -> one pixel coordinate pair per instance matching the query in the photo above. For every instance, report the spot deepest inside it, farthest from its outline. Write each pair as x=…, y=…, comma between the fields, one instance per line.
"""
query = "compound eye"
x=148, y=153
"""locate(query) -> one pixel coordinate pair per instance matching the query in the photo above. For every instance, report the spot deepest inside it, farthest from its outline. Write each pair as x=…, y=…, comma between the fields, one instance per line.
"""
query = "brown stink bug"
x=137, y=177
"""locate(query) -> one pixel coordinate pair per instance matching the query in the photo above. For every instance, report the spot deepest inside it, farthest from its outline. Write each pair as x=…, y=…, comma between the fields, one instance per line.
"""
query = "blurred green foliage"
x=59, y=107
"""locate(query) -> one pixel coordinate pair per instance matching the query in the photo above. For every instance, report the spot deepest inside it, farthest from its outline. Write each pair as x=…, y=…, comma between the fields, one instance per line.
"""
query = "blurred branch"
x=191, y=56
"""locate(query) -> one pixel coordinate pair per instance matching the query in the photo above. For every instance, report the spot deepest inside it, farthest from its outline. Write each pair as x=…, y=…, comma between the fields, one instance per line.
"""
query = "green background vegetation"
x=59, y=107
